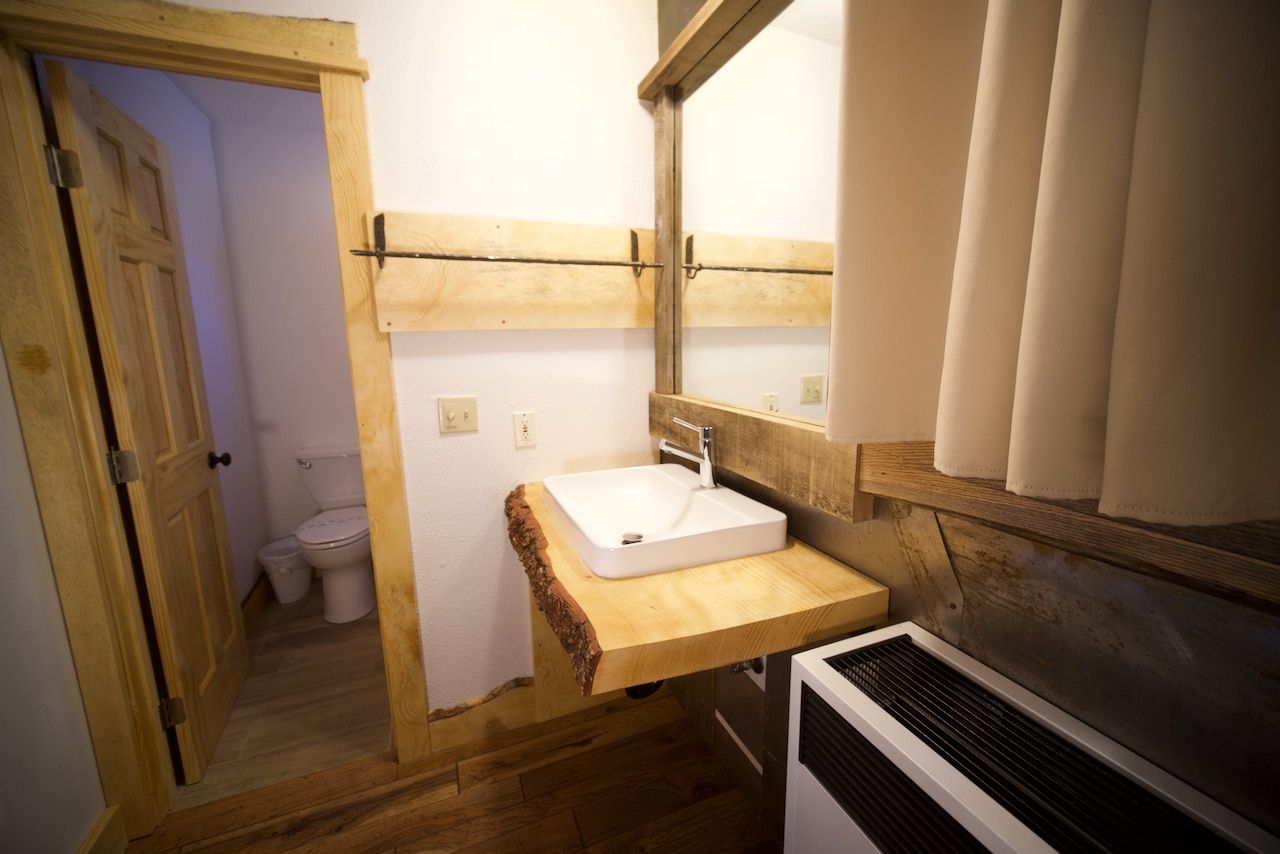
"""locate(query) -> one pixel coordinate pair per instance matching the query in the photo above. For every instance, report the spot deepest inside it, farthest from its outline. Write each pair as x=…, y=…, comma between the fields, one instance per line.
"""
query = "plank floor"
x=625, y=776
x=316, y=697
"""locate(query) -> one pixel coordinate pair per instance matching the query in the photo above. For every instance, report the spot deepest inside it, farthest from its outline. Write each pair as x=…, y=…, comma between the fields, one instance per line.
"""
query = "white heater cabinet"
x=899, y=742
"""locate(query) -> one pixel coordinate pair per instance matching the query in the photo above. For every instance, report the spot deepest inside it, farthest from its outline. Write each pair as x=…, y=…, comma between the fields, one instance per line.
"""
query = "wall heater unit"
x=899, y=742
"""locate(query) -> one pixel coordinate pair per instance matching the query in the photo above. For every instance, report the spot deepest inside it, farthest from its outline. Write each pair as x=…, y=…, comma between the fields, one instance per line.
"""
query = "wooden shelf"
x=733, y=298
x=621, y=632
x=431, y=295
x=434, y=295
x=1238, y=562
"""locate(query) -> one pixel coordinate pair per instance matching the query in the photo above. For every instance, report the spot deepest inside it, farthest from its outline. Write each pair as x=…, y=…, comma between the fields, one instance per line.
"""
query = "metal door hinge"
x=123, y=465
x=172, y=712
x=64, y=167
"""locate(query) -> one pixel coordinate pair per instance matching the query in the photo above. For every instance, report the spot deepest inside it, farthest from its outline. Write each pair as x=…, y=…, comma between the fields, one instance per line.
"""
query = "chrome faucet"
x=702, y=458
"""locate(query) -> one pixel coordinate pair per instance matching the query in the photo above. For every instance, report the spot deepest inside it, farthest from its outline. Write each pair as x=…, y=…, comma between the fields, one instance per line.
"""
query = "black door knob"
x=214, y=459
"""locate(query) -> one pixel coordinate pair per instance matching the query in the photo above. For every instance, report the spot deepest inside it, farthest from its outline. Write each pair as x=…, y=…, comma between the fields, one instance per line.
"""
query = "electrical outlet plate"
x=458, y=415
x=770, y=401
x=811, y=388
x=525, y=428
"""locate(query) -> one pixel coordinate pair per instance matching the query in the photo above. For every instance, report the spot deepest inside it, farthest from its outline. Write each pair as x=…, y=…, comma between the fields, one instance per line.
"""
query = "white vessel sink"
x=679, y=524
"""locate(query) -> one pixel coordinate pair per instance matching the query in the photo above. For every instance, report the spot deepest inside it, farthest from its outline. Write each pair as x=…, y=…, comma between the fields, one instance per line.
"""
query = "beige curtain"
x=1058, y=247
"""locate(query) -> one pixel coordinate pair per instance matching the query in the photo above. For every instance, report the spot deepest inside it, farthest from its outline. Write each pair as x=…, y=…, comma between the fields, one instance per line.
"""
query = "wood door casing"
x=127, y=227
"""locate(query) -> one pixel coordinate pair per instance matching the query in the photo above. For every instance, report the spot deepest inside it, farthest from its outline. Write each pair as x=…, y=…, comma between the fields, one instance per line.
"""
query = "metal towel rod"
x=692, y=270
x=381, y=252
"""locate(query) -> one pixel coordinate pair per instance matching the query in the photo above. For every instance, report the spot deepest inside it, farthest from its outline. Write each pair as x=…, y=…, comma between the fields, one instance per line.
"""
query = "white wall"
x=524, y=109
x=284, y=260
x=759, y=159
x=49, y=789
x=740, y=364
x=760, y=141
x=152, y=99
x=589, y=391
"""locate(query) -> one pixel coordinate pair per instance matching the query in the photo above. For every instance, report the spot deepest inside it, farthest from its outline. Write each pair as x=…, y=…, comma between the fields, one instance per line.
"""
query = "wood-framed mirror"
x=806, y=466
x=792, y=456
x=758, y=214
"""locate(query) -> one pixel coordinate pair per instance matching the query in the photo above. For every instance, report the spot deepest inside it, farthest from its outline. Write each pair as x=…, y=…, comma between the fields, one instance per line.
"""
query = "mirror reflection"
x=758, y=169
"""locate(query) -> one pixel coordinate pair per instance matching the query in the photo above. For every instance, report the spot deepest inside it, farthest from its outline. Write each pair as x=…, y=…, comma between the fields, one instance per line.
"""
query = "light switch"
x=770, y=401
x=811, y=388
x=458, y=415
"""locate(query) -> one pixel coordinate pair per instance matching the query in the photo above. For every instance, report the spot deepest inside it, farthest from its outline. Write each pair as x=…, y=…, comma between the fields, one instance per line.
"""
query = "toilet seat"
x=349, y=541
x=333, y=529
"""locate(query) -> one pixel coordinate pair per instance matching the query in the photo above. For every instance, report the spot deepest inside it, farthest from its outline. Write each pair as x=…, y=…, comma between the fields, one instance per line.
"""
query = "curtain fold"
x=989, y=281
x=909, y=70
x=1064, y=356
x=1075, y=287
x=1194, y=406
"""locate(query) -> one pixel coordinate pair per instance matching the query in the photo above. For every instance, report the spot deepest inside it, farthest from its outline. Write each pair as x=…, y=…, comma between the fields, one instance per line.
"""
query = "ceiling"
x=223, y=100
x=817, y=19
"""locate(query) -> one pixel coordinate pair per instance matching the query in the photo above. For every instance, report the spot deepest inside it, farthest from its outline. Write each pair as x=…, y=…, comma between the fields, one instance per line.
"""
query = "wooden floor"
x=625, y=776
x=316, y=697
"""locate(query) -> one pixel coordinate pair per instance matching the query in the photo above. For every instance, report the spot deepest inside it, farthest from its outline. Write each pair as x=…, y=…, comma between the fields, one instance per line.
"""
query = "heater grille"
x=897, y=815
x=1066, y=796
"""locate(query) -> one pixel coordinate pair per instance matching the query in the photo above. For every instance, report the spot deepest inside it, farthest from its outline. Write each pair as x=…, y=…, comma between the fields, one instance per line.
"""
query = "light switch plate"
x=770, y=401
x=811, y=388
x=458, y=415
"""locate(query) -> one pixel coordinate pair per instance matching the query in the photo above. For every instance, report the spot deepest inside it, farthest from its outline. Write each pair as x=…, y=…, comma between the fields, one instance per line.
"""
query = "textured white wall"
x=760, y=141
x=49, y=789
x=524, y=109
x=589, y=391
x=760, y=159
x=152, y=99
x=740, y=364
x=279, y=222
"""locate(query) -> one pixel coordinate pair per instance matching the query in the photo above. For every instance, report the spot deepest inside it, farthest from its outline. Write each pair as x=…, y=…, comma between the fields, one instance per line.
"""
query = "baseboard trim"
x=453, y=711
x=107, y=835
x=508, y=709
x=257, y=600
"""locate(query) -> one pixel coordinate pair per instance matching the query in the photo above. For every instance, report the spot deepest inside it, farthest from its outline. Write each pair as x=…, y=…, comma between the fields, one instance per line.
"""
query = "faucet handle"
x=701, y=430
x=702, y=458
x=704, y=433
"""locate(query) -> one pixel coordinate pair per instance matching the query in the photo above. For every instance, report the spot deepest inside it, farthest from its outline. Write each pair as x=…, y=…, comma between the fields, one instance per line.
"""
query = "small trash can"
x=288, y=570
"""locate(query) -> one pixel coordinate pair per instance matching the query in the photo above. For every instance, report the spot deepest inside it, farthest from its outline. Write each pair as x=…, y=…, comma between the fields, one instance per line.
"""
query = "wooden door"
x=127, y=227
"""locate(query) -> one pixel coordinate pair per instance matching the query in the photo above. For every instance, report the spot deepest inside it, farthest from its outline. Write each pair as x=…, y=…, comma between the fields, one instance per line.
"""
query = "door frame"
x=51, y=364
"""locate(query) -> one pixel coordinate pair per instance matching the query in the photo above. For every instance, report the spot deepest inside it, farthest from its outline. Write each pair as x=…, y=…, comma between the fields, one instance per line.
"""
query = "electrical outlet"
x=811, y=388
x=526, y=429
x=458, y=415
x=771, y=401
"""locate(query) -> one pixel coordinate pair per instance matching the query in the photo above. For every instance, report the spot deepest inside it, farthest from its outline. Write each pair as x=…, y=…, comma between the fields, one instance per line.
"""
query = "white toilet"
x=336, y=540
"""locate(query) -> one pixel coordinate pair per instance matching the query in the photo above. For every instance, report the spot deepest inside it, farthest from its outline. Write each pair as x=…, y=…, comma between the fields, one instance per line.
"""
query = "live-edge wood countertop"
x=621, y=632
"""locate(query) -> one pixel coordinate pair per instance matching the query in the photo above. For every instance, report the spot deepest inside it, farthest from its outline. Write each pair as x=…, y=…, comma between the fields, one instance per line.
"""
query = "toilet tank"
x=331, y=474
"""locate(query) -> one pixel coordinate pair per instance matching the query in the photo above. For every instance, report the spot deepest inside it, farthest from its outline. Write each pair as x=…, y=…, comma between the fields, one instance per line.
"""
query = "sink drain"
x=631, y=537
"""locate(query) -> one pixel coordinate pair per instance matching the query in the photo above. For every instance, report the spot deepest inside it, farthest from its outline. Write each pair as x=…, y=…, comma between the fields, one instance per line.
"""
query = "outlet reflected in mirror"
x=758, y=173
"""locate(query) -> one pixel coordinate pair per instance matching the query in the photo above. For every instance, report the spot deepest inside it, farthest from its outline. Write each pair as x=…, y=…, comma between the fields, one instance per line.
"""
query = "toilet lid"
x=333, y=526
